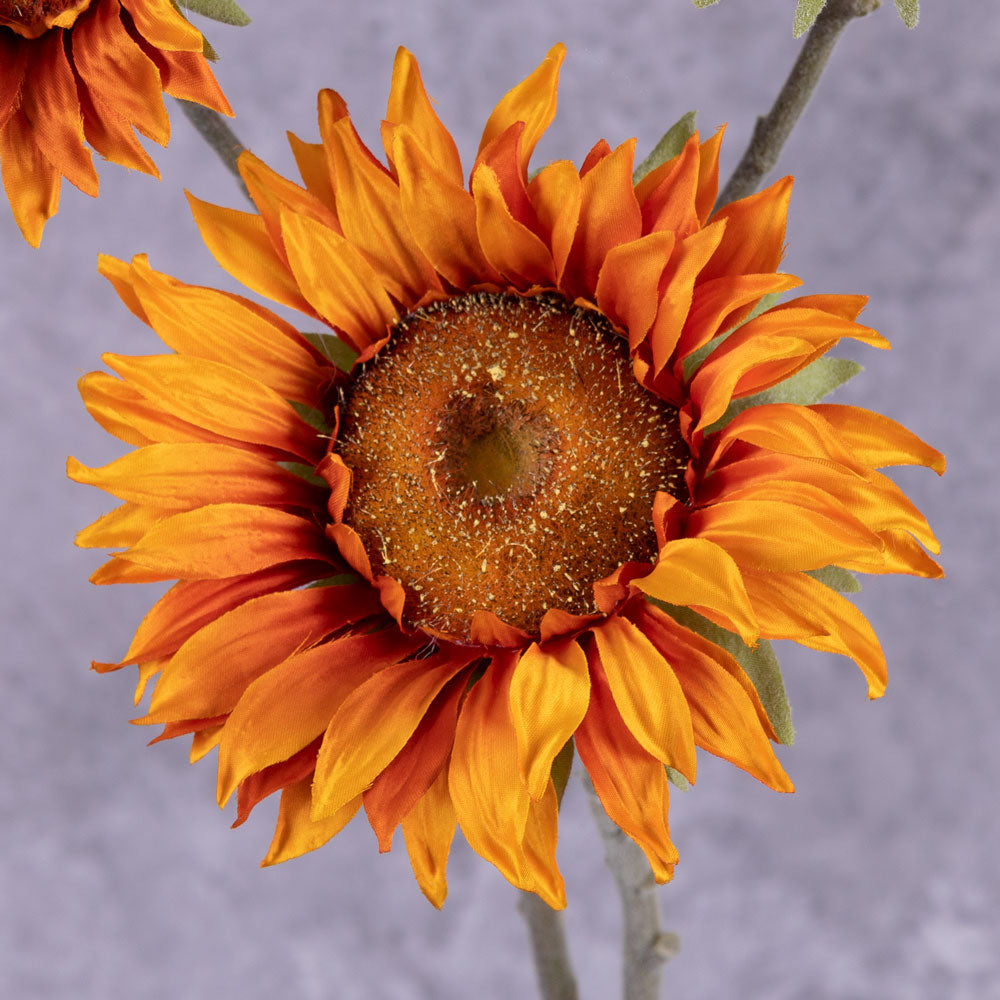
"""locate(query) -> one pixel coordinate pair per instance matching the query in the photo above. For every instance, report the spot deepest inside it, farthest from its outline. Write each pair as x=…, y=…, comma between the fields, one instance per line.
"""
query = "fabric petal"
x=429, y=829
x=31, y=182
x=297, y=832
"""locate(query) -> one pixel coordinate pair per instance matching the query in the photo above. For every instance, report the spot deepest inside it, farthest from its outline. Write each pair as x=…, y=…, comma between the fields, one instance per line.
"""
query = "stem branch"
x=646, y=945
x=773, y=129
x=215, y=130
x=548, y=946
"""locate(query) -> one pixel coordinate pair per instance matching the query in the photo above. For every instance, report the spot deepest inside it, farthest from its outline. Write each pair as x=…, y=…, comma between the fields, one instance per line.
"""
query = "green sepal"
x=340, y=580
x=333, y=349
x=704, y=3
x=836, y=578
x=805, y=14
x=695, y=358
x=310, y=415
x=224, y=11
x=760, y=664
x=669, y=146
x=303, y=471
x=909, y=11
x=207, y=51
x=677, y=779
x=561, y=767
x=807, y=386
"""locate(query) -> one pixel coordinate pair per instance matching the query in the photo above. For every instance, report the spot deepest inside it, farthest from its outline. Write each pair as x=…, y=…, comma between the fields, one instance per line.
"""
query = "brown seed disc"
x=504, y=459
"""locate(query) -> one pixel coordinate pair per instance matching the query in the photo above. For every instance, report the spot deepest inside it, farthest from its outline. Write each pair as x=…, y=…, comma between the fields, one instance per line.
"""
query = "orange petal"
x=226, y=539
x=160, y=23
x=221, y=399
x=695, y=573
x=647, y=694
x=409, y=105
x=186, y=75
x=541, y=833
x=257, y=787
x=405, y=780
x=793, y=605
x=532, y=101
x=240, y=244
x=374, y=723
x=296, y=832
x=429, y=829
x=209, y=673
x=310, y=158
x=339, y=283
x=878, y=441
x=726, y=714
x=631, y=784
x=14, y=59
x=31, y=182
x=548, y=697
x=286, y=708
x=123, y=526
x=708, y=174
x=670, y=207
x=557, y=193
x=53, y=109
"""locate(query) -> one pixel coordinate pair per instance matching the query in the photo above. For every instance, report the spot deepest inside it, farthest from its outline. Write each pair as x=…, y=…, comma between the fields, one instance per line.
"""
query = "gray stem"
x=773, y=129
x=646, y=945
x=548, y=946
x=215, y=130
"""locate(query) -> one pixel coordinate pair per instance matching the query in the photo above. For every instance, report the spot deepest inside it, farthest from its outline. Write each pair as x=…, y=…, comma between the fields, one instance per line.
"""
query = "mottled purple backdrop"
x=878, y=879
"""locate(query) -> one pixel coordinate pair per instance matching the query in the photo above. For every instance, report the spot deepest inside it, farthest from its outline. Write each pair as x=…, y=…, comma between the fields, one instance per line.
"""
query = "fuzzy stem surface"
x=646, y=946
x=773, y=129
x=548, y=947
x=215, y=130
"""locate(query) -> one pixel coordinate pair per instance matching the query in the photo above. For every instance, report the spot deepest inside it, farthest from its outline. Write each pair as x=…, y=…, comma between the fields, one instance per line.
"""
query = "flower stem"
x=646, y=946
x=215, y=130
x=548, y=946
x=773, y=129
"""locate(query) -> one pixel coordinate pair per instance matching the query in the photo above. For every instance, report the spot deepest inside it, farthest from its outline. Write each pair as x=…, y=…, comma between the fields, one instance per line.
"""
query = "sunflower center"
x=504, y=459
x=32, y=18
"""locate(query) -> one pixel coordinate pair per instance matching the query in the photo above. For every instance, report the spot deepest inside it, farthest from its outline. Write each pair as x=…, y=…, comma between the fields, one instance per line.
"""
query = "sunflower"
x=506, y=525
x=77, y=72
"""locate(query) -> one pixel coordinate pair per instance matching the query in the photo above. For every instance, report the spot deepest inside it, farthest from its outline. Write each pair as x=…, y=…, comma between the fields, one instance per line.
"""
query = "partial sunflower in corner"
x=86, y=72
x=415, y=582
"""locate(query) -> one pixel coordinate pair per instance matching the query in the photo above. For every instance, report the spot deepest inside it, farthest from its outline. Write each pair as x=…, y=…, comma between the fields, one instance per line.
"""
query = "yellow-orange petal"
x=698, y=573
x=209, y=673
x=286, y=708
x=186, y=75
x=549, y=693
x=541, y=833
x=340, y=284
x=31, y=182
x=556, y=193
x=877, y=440
x=708, y=174
x=226, y=539
x=375, y=721
x=647, y=694
x=220, y=399
x=160, y=23
x=630, y=782
x=123, y=526
x=296, y=832
x=429, y=829
x=532, y=101
x=310, y=158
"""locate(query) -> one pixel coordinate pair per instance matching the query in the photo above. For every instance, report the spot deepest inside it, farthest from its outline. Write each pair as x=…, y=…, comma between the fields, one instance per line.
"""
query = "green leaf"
x=340, y=580
x=669, y=146
x=333, y=349
x=760, y=664
x=311, y=416
x=304, y=471
x=704, y=3
x=836, y=578
x=678, y=779
x=225, y=11
x=561, y=768
x=909, y=11
x=805, y=387
x=805, y=14
x=207, y=51
x=693, y=360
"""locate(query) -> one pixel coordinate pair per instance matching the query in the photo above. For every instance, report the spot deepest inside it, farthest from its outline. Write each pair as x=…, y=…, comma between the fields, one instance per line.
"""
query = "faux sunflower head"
x=75, y=73
x=548, y=487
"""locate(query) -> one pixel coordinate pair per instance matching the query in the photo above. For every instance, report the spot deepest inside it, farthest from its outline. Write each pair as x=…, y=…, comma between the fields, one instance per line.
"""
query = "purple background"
x=877, y=879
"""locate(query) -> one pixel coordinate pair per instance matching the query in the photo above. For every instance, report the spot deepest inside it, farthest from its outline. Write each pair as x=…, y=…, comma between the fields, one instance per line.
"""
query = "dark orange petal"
x=556, y=195
x=31, y=182
x=14, y=59
x=240, y=244
x=53, y=109
x=375, y=722
x=226, y=539
x=429, y=829
x=488, y=630
x=548, y=697
x=409, y=105
x=708, y=175
x=631, y=784
x=532, y=101
x=296, y=832
x=259, y=786
x=647, y=694
x=286, y=708
x=670, y=206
